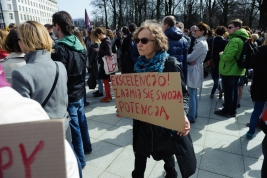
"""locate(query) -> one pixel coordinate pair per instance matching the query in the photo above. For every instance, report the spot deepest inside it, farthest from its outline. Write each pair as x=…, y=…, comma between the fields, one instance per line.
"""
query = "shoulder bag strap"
x=212, y=48
x=53, y=87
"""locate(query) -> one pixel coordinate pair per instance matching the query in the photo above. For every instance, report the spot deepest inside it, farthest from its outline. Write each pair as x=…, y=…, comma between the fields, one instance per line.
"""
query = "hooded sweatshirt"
x=228, y=65
x=71, y=53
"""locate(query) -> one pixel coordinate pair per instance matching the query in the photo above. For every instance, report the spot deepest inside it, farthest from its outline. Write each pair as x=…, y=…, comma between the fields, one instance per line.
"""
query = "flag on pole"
x=87, y=22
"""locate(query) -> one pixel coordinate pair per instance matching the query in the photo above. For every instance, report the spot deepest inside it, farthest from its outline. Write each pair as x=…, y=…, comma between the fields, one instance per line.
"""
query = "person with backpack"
x=229, y=68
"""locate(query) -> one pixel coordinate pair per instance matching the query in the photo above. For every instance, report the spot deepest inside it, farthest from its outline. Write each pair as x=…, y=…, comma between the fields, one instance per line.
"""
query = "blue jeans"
x=100, y=85
x=258, y=107
x=215, y=77
x=193, y=104
x=230, y=87
x=79, y=130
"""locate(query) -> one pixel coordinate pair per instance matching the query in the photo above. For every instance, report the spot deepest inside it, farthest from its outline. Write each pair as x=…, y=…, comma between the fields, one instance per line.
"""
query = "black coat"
x=160, y=142
x=127, y=64
x=104, y=50
x=218, y=46
x=259, y=84
x=93, y=60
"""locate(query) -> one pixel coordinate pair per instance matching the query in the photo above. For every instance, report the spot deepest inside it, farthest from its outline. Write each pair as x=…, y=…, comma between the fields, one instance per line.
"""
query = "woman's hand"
x=187, y=128
x=96, y=49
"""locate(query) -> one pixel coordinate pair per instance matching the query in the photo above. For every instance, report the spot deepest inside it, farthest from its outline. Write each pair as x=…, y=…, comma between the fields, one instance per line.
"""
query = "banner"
x=155, y=98
x=32, y=149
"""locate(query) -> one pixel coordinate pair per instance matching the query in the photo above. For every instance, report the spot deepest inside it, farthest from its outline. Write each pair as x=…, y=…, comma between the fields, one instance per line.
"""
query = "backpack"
x=248, y=52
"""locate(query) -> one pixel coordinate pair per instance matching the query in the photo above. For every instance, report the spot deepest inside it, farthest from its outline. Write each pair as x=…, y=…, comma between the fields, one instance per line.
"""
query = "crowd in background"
x=50, y=64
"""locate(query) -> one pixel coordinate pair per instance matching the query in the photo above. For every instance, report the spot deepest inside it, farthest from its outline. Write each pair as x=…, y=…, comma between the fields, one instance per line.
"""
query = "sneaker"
x=249, y=136
x=192, y=122
x=98, y=94
x=86, y=103
x=171, y=174
x=238, y=105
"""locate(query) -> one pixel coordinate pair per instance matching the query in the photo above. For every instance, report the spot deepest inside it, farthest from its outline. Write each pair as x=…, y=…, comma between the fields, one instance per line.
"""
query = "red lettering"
x=158, y=94
x=9, y=163
x=127, y=107
x=116, y=93
x=127, y=92
x=162, y=83
x=144, y=109
x=113, y=80
x=163, y=96
x=147, y=77
x=162, y=110
x=157, y=111
x=132, y=84
x=128, y=78
x=136, y=80
x=121, y=105
x=28, y=161
x=142, y=81
x=149, y=113
x=133, y=93
x=169, y=95
x=122, y=93
x=137, y=108
x=179, y=96
x=146, y=94
x=139, y=93
x=155, y=81
x=132, y=106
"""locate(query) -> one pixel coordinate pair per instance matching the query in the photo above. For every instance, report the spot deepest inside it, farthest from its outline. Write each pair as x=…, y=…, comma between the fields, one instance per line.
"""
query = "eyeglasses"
x=143, y=40
x=230, y=27
x=196, y=30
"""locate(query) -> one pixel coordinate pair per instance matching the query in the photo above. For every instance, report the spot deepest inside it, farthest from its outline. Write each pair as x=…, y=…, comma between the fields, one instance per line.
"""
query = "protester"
x=11, y=26
x=71, y=53
x=178, y=45
x=150, y=139
x=258, y=87
x=15, y=59
x=192, y=37
x=104, y=50
x=127, y=63
x=216, y=45
x=78, y=34
x=181, y=26
x=15, y=108
x=3, y=35
x=229, y=69
x=93, y=64
x=49, y=28
x=195, y=69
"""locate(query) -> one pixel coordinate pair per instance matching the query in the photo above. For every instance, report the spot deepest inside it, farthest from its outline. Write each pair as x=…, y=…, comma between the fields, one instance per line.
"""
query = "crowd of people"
x=49, y=63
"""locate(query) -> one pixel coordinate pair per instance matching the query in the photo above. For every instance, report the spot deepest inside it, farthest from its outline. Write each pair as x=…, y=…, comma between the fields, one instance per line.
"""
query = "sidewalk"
x=221, y=147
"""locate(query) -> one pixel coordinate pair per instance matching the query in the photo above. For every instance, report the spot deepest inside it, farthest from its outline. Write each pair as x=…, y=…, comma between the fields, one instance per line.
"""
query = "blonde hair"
x=255, y=36
x=265, y=41
x=34, y=36
x=3, y=35
x=155, y=29
x=94, y=37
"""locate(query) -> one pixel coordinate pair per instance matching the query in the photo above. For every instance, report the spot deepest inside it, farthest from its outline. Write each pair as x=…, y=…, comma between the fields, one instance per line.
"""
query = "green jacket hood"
x=73, y=42
x=241, y=33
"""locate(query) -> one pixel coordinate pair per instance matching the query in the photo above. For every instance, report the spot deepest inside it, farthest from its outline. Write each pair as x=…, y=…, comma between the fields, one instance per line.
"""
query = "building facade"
x=19, y=11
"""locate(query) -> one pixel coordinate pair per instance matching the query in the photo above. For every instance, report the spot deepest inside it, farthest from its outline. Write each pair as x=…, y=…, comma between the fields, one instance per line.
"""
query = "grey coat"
x=35, y=80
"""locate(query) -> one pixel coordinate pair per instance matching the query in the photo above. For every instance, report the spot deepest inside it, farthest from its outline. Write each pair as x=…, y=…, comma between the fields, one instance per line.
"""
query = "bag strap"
x=212, y=48
x=53, y=87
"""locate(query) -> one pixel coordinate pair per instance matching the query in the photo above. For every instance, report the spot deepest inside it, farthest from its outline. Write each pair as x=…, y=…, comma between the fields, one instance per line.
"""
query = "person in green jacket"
x=229, y=69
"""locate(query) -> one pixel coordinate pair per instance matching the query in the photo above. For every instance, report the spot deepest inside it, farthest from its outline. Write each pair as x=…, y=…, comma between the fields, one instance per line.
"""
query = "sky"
x=75, y=8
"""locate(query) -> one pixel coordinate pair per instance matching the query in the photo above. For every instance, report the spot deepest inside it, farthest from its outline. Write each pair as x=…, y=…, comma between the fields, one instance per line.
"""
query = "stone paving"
x=221, y=147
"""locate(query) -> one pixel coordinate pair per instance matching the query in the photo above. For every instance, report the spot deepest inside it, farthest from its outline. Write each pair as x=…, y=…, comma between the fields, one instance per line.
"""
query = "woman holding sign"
x=148, y=139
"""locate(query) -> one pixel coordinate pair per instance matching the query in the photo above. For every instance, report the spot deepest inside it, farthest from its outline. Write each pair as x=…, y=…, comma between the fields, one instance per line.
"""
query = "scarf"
x=156, y=64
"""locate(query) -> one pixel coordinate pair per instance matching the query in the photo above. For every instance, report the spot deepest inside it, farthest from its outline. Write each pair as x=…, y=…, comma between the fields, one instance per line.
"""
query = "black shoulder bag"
x=53, y=87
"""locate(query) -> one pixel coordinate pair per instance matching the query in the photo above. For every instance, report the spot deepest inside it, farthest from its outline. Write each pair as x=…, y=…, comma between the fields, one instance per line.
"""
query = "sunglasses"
x=230, y=27
x=143, y=40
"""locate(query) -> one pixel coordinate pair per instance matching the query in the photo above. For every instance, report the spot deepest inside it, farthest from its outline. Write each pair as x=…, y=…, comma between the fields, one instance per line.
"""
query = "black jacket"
x=218, y=46
x=75, y=63
x=104, y=50
x=160, y=142
x=259, y=85
x=127, y=64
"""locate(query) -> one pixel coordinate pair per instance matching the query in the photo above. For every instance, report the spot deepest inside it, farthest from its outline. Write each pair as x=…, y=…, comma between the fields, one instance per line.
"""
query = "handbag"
x=209, y=66
x=91, y=82
x=53, y=87
x=110, y=64
x=263, y=122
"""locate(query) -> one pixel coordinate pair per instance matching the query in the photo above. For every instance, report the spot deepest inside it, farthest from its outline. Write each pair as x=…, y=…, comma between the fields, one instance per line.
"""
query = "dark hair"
x=99, y=30
x=132, y=27
x=64, y=21
x=125, y=30
x=247, y=28
x=169, y=20
x=11, y=25
x=220, y=30
x=236, y=23
x=109, y=33
x=186, y=31
x=49, y=26
x=11, y=43
x=203, y=27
